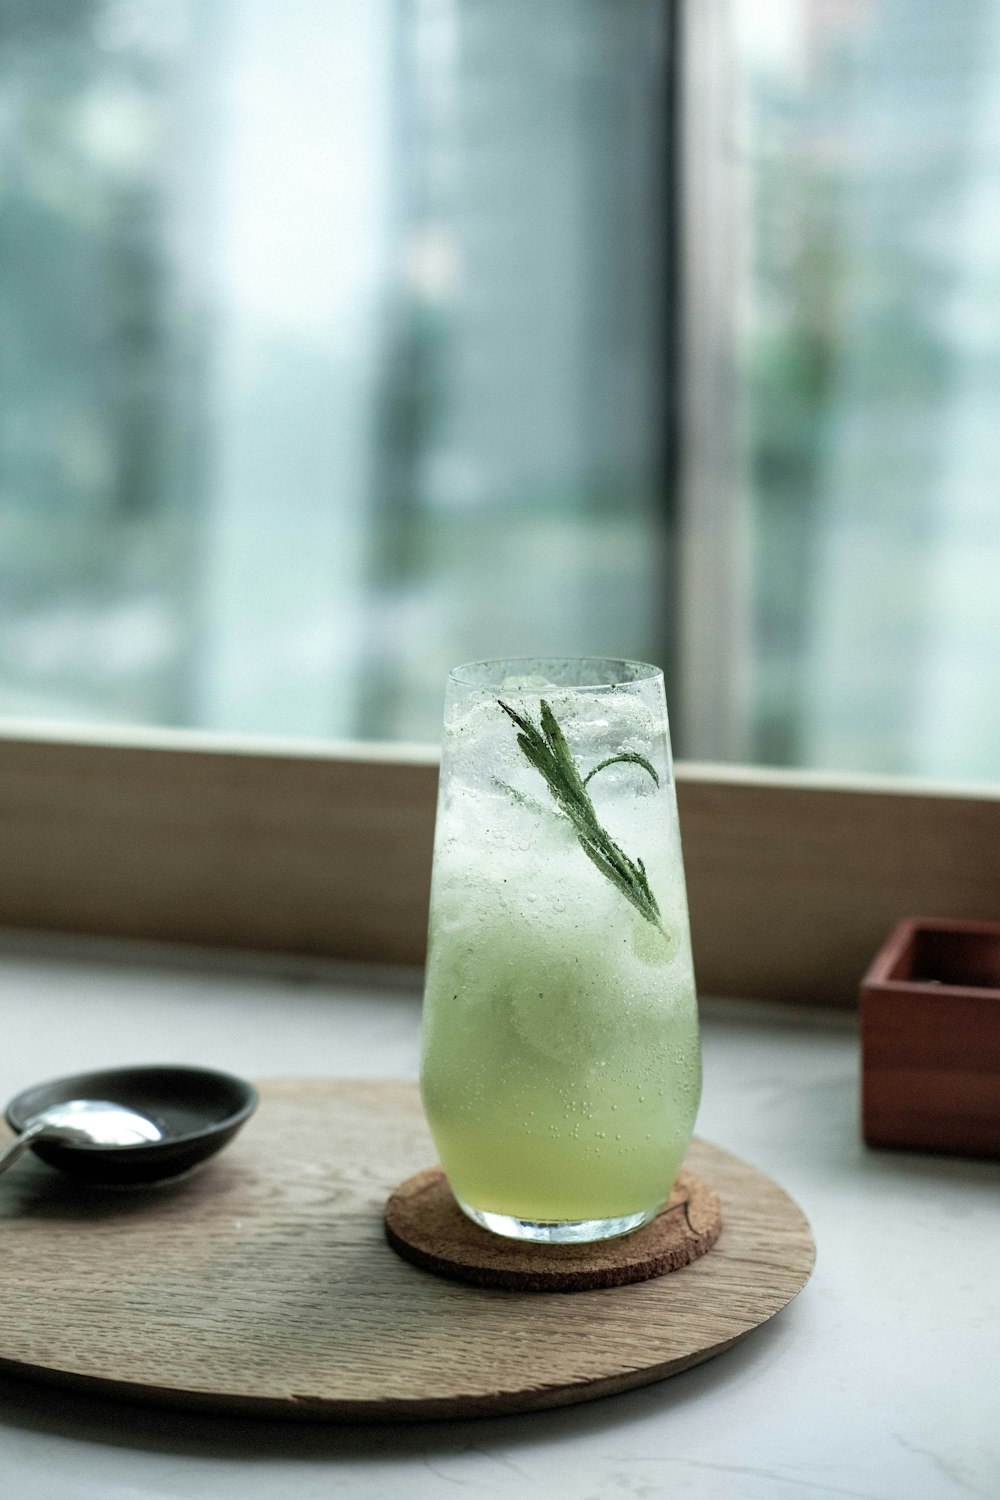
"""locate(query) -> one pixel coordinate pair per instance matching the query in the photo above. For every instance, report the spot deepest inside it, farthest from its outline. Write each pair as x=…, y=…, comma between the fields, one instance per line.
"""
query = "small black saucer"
x=198, y=1110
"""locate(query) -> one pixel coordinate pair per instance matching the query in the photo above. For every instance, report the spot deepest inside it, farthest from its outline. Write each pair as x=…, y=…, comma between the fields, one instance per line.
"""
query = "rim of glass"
x=582, y=673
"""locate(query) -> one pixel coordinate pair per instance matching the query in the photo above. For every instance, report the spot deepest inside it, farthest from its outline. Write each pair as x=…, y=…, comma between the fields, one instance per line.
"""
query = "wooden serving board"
x=263, y=1283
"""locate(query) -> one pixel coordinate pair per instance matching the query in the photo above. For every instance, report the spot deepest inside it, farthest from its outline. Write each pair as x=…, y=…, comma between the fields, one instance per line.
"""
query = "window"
x=854, y=171
x=334, y=352
x=219, y=308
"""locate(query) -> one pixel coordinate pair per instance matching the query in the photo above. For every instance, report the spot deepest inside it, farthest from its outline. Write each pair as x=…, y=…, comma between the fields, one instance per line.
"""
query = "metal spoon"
x=83, y=1122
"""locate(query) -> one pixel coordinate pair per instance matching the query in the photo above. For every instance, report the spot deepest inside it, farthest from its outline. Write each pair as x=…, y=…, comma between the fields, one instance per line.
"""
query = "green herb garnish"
x=548, y=752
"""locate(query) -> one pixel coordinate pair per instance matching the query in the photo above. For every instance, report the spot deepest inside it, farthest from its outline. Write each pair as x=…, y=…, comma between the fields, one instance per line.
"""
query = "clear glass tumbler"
x=561, y=1068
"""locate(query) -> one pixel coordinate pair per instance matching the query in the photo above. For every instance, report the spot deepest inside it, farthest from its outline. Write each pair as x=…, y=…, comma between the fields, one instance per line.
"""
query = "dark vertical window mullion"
x=671, y=369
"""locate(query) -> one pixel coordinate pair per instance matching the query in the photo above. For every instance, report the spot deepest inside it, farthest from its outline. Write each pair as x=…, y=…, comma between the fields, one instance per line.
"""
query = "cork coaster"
x=424, y=1224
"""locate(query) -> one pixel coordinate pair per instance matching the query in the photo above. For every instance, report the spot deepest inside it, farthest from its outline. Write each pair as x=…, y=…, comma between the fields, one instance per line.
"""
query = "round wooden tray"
x=263, y=1283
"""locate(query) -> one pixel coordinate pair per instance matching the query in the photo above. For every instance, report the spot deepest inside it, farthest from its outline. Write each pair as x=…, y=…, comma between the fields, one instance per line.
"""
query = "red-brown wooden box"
x=930, y=1039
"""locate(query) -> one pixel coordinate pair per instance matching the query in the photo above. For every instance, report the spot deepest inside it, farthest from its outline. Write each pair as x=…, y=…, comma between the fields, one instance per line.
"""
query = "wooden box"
x=930, y=1039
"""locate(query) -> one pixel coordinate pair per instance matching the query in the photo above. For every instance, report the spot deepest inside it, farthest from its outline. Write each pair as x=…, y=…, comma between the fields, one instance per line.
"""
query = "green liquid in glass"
x=561, y=1068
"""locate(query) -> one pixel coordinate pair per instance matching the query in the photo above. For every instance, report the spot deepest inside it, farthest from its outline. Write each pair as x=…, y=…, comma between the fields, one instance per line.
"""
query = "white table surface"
x=881, y=1380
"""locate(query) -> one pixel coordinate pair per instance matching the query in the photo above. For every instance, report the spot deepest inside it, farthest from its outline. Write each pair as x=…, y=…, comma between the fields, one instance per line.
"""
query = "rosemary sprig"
x=626, y=755
x=548, y=752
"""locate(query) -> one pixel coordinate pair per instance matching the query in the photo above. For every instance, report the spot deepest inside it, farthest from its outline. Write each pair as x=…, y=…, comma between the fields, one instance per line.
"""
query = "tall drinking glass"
x=561, y=1068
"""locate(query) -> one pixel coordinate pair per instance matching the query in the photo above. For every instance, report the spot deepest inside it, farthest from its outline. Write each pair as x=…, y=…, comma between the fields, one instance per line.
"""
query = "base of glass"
x=558, y=1231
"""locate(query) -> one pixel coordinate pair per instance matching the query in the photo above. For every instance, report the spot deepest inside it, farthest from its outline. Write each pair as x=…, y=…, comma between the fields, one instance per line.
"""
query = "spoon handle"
x=20, y=1146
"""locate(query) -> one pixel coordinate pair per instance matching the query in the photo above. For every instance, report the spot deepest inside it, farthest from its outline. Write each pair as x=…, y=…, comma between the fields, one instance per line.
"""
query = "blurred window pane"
x=868, y=169
x=331, y=352
x=334, y=350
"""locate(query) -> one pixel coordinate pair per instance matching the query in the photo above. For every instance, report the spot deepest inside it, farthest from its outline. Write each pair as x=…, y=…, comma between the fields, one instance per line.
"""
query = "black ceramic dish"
x=198, y=1110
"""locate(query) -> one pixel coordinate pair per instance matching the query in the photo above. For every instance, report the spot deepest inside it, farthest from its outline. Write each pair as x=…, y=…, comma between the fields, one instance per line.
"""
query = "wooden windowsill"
x=793, y=878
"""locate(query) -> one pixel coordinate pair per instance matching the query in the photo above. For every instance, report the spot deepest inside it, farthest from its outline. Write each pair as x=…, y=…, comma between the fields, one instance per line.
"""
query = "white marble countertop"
x=881, y=1380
